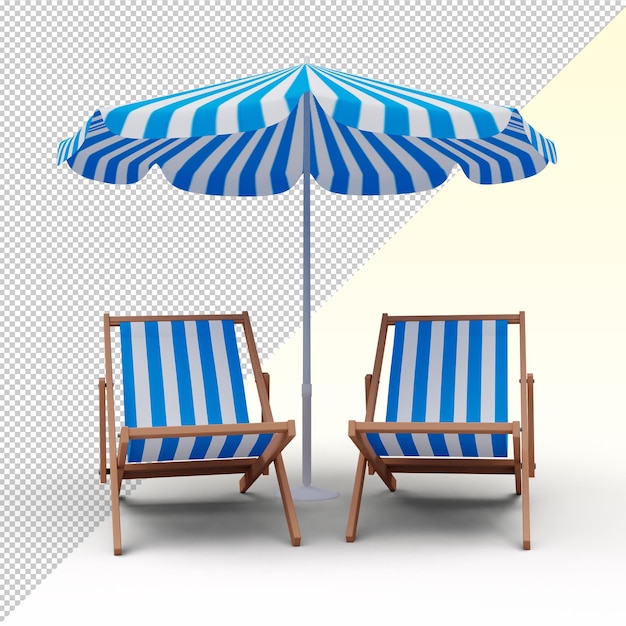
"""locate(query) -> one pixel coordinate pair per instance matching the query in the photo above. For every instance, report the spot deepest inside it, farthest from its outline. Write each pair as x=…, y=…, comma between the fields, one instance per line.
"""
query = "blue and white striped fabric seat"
x=183, y=373
x=447, y=371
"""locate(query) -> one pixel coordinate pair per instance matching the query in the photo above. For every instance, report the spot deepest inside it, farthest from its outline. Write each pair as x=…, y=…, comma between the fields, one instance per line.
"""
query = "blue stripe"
x=448, y=373
x=230, y=446
x=370, y=179
x=484, y=168
x=183, y=374
x=168, y=449
x=376, y=443
x=128, y=375
x=134, y=166
x=500, y=442
x=135, y=447
x=299, y=87
x=420, y=384
x=341, y=173
x=467, y=441
x=438, y=444
x=406, y=443
x=436, y=173
x=205, y=118
x=278, y=174
x=234, y=367
x=250, y=112
x=262, y=442
x=441, y=120
x=503, y=163
x=93, y=160
x=155, y=374
x=474, y=367
x=396, y=370
x=110, y=171
x=528, y=166
x=247, y=178
x=217, y=178
x=184, y=175
x=159, y=120
x=200, y=447
x=404, y=182
x=468, y=444
x=209, y=376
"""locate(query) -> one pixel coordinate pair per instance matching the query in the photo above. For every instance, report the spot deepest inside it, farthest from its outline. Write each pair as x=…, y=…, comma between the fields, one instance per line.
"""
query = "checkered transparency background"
x=73, y=249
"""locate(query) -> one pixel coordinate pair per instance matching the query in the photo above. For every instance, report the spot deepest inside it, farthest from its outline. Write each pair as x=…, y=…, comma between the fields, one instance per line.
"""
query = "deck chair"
x=447, y=405
x=185, y=408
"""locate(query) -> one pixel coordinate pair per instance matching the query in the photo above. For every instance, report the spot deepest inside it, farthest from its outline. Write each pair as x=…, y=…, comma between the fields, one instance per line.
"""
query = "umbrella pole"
x=307, y=492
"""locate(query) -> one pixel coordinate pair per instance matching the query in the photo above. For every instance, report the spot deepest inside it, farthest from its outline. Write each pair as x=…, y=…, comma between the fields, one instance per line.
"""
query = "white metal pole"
x=307, y=492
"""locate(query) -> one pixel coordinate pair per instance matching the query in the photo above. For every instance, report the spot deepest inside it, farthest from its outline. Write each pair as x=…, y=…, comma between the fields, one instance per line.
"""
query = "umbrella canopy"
x=245, y=137
x=258, y=135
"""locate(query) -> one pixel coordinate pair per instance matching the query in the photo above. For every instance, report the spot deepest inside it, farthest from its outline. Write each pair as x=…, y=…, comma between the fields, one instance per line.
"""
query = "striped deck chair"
x=185, y=409
x=447, y=405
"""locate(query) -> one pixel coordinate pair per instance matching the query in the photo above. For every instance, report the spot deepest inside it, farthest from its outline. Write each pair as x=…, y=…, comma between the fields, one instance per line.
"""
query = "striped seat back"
x=449, y=371
x=180, y=373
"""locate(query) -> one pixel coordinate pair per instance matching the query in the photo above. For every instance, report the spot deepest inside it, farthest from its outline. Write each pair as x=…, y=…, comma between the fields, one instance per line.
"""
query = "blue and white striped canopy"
x=245, y=137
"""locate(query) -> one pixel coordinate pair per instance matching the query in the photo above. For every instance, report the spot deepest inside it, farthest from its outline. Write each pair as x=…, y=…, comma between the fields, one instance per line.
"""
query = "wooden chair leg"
x=103, y=443
x=517, y=458
x=115, y=515
x=266, y=381
x=288, y=505
x=355, y=505
x=531, y=425
x=525, y=506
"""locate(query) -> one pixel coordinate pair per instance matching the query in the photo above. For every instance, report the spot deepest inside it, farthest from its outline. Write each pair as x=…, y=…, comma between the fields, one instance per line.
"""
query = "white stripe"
x=386, y=179
x=195, y=372
x=246, y=445
x=407, y=372
x=231, y=181
x=484, y=444
x=224, y=383
x=215, y=447
x=421, y=179
x=121, y=171
x=201, y=177
x=274, y=105
x=151, y=449
x=470, y=163
x=391, y=444
x=419, y=176
x=422, y=443
x=488, y=373
x=140, y=374
x=170, y=381
x=184, y=448
x=460, y=385
x=372, y=113
x=293, y=168
x=453, y=444
x=435, y=366
x=325, y=166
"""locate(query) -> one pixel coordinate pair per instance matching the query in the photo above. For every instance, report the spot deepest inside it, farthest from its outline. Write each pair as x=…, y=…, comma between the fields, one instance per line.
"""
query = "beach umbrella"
x=259, y=135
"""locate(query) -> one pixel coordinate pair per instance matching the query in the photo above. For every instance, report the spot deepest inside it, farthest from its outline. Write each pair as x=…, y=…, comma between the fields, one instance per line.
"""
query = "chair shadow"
x=196, y=522
x=440, y=519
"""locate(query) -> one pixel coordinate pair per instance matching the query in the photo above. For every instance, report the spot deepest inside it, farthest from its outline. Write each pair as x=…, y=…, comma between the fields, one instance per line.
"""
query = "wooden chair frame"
x=522, y=465
x=251, y=468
